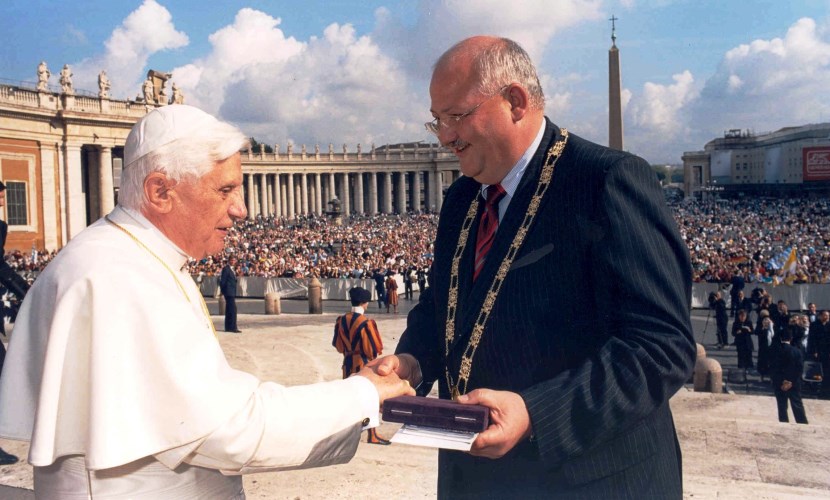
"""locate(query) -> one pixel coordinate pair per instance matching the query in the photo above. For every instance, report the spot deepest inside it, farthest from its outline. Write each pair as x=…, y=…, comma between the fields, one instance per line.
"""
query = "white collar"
x=511, y=181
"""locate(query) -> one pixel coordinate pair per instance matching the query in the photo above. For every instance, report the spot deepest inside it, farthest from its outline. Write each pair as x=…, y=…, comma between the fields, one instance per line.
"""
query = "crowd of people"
x=747, y=235
x=314, y=246
x=751, y=234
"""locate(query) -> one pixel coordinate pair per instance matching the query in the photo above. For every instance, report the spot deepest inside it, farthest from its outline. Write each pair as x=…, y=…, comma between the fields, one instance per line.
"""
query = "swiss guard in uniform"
x=357, y=338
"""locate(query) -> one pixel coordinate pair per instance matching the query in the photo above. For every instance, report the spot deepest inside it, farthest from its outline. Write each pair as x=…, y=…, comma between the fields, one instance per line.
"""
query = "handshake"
x=394, y=375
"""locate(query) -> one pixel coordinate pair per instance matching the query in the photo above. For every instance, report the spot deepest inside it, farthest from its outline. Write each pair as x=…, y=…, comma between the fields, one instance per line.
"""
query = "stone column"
x=249, y=196
x=304, y=192
x=387, y=192
x=277, y=196
x=318, y=194
x=416, y=191
x=289, y=186
x=439, y=191
x=284, y=197
x=49, y=175
x=358, y=193
x=263, y=196
x=332, y=187
x=75, y=202
x=373, y=193
x=347, y=206
x=401, y=194
x=429, y=191
x=107, y=196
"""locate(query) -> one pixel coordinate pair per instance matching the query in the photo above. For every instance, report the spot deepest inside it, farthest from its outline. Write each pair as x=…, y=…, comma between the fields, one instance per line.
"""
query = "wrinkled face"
x=206, y=209
x=481, y=139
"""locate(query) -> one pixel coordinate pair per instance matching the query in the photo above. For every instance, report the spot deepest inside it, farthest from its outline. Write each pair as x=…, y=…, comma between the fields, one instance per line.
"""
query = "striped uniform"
x=357, y=338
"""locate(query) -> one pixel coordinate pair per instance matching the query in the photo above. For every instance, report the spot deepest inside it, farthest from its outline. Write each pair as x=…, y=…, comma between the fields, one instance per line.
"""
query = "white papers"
x=434, y=438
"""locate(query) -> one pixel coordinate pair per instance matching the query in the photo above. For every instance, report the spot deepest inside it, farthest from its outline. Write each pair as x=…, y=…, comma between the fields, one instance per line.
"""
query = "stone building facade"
x=789, y=160
x=61, y=157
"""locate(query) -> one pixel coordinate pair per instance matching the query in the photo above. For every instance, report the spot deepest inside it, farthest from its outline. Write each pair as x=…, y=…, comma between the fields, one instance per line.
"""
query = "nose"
x=447, y=135
x=237, y=209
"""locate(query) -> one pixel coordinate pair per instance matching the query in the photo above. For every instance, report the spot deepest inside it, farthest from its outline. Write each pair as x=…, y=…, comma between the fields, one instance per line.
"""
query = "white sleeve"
x=286, y=428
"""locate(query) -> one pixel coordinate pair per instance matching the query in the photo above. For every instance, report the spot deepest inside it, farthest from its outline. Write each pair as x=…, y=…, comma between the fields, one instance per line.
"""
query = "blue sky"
x=348, y=71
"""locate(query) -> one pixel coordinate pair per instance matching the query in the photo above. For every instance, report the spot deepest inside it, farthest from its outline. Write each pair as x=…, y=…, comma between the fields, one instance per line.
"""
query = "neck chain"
x=173, y=274
x=460, y=387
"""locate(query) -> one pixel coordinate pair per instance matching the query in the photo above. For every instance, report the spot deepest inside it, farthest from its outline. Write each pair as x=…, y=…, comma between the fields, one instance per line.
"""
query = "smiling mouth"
x=458, y=146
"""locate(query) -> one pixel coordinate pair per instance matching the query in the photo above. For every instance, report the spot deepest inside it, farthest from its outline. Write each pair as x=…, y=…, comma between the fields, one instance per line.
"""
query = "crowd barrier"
x=293, y=288
x=796, y=296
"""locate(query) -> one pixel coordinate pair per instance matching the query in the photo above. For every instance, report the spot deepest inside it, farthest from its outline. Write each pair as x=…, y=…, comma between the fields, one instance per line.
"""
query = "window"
x=16, y=208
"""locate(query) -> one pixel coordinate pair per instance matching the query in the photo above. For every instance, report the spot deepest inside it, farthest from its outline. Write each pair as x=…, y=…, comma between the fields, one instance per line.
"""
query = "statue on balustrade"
x=358, y=149
x=177, y=97
x=290, y=148
x=43, y=75
x=149, y=94
x=303, y=149
x=344, y=150
x=331, y=148
x=317, y=150
x=103, y=85
x=66, y=80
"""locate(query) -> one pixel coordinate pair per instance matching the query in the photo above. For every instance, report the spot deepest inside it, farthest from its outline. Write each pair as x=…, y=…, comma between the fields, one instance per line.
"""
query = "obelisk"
x=615, y=123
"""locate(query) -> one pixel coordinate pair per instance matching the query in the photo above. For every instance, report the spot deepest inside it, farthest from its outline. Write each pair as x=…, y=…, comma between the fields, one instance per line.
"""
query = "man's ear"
x=519, y=100
x=158, y=191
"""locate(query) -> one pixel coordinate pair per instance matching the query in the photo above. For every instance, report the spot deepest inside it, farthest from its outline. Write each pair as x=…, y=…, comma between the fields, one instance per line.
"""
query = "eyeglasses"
x=437, y=124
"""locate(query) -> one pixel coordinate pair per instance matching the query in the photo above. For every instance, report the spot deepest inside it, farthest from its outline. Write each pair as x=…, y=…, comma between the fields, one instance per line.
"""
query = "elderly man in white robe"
x=114, y=372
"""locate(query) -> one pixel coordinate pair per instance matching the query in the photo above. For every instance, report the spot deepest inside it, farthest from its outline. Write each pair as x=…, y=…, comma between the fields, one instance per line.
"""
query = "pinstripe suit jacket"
x=591, y=327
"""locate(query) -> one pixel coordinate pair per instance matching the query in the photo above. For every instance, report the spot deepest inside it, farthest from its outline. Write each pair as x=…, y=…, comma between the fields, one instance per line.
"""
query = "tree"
x=255, y=146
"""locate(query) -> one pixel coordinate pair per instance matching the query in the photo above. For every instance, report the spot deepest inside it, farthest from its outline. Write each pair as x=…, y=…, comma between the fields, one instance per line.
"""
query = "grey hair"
x=183, y=159
x=501, y=62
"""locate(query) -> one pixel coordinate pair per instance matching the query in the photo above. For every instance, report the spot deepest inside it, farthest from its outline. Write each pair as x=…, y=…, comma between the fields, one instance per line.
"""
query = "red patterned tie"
x=487, y=226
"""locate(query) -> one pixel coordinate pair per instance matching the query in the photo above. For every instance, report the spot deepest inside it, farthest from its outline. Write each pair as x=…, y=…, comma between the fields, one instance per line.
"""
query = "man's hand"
x=509, y=422
x=404, y=365
x=786, y=385
x=388, y=386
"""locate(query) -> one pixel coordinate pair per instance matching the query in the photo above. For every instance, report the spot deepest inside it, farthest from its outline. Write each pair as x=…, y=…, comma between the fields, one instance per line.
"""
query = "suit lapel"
x=472, y=294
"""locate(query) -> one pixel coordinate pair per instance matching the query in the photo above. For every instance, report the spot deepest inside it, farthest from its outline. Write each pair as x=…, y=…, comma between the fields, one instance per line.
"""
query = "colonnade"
x=299, y=192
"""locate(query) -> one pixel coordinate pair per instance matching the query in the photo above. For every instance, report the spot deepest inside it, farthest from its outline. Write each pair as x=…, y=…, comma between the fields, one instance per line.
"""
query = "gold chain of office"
x=466, y=367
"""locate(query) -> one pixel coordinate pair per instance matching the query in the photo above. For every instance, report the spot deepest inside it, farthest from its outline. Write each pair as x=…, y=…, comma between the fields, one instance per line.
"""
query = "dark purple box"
x=434, y=412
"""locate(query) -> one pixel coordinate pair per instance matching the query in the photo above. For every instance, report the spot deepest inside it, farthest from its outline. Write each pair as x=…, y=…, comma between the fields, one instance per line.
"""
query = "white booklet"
x=432, y=437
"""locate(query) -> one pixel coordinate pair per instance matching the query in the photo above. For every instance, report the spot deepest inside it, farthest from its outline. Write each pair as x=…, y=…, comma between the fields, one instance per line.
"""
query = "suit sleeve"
x=640, y=271
x=420, y=338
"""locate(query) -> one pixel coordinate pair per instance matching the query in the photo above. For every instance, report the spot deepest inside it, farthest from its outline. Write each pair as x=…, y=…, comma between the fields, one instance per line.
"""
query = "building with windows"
x=61, y=155
x=773, y=164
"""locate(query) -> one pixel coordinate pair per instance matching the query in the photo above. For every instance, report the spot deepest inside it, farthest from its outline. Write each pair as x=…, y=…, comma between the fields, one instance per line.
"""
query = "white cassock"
x=116, y=377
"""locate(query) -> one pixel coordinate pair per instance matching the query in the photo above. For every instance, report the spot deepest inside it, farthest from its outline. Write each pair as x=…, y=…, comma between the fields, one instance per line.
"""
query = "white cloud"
x=762, y=85
x=252, y=44
x=146, y=31
x=440, y=24
x=338, y=86
x=659, y=107
x=767, y=84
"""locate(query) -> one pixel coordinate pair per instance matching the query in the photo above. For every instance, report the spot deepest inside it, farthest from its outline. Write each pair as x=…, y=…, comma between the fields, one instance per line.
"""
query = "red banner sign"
x=817, y=164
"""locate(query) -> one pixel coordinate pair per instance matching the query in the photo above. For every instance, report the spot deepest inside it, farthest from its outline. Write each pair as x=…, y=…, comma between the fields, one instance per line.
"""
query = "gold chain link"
x=466, y=367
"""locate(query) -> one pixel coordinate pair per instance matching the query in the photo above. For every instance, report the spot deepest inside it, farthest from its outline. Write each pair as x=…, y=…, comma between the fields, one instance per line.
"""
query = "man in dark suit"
x=227, y=285
x=579, y=403
x=14, y=283
x=786, y=364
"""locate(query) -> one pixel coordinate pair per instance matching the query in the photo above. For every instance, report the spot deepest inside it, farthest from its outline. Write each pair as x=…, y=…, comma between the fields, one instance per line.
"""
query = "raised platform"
x=733, y=446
